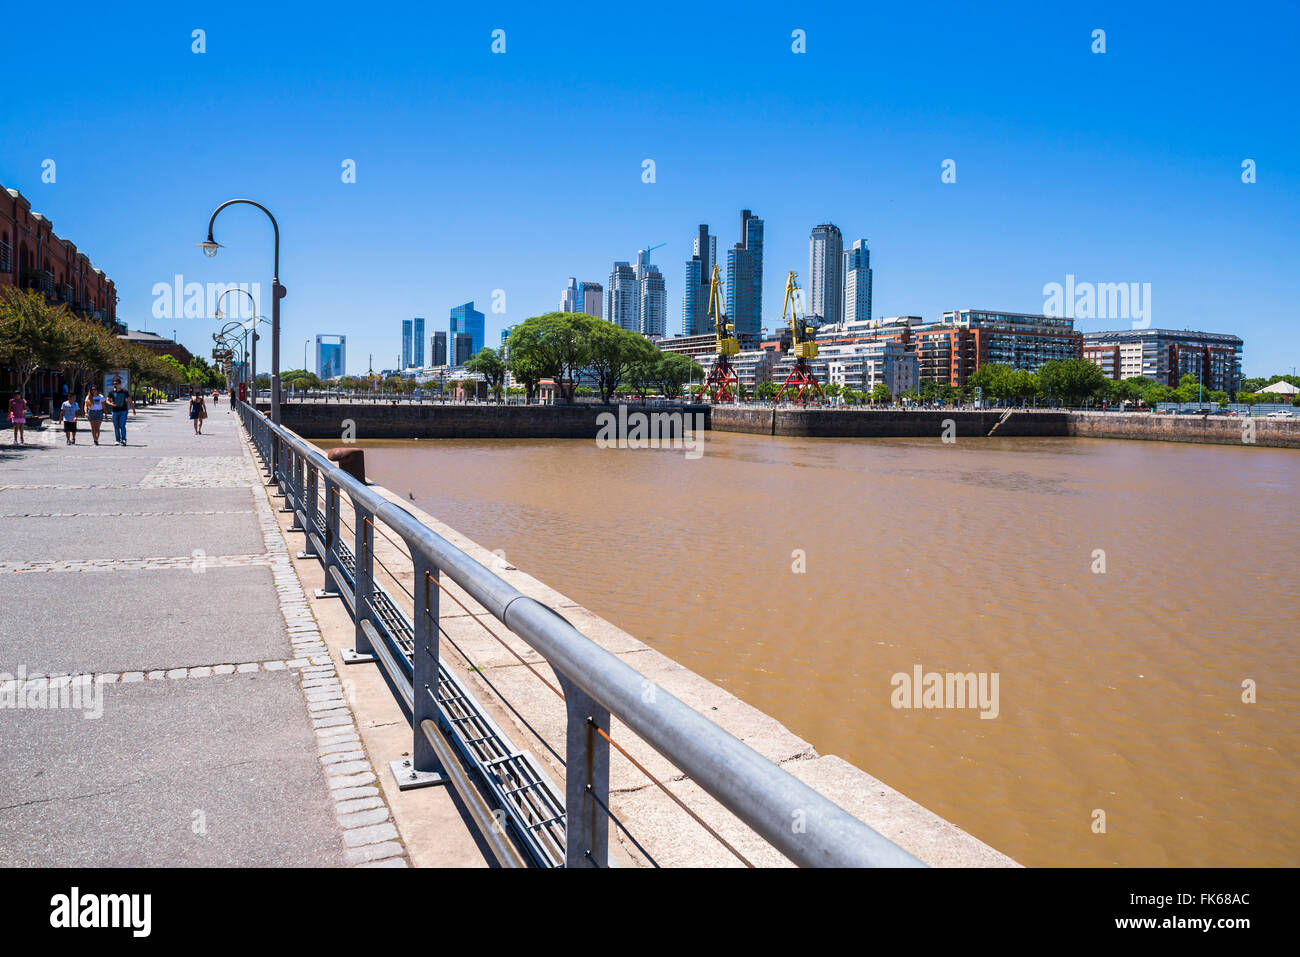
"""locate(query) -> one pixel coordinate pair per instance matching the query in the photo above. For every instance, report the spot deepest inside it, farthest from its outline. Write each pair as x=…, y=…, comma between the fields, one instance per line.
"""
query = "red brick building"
x=159, y=345
x=32, y=256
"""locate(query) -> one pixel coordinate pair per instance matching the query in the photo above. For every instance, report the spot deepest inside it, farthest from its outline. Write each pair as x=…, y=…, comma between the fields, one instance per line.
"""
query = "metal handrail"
x=799, y=822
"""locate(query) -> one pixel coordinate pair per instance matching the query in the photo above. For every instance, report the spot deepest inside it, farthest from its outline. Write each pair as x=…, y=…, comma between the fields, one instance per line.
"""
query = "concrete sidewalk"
x=213, y=729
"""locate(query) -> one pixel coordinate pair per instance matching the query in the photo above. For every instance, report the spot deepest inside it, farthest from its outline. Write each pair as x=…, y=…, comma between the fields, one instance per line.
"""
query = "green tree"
x=993, y=379
x=33, y=334
x=880, y=393
x=766, y=390
x=1070, y=381
x=832, y=389
x=552, y=345
x=489, y=364
x=90, y=349
x=673, y=370
x=1155, y=393
x=611, y=351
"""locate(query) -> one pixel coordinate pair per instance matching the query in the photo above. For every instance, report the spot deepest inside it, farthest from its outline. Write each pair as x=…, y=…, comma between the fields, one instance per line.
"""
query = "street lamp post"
x=278, y=292
x=249, y=374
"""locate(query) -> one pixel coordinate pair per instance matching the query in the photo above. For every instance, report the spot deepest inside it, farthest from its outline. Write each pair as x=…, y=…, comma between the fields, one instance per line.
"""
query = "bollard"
x=352, y=461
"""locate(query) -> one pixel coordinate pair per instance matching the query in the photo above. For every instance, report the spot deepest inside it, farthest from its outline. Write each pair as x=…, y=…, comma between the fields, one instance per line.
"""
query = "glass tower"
x=465, y=318
x=857, y=282
x=745, y=278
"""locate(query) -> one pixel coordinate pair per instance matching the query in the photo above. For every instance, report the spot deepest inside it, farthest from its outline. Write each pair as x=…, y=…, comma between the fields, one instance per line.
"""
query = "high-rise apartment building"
x=331, y=357
x=623, y=297
x=857, y=282
x=699, y=274
x=571, y=298
x=465, y=318
x=825, y=283
x=652, y=297
x=593, y=294
x=582, y=297
x=745, y=277
x=1166, y=355
x=438, y=349
x=412, y=343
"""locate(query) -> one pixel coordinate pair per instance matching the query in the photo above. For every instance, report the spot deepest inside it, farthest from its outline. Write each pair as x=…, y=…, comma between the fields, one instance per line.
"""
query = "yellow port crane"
x=801, y=381
x=722, y=385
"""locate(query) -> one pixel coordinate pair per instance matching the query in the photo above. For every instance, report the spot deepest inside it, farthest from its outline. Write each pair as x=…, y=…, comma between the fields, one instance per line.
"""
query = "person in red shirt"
x=18, y=417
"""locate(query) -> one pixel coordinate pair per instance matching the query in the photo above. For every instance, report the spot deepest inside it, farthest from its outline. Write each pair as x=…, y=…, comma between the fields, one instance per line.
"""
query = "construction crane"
x=723, y=385
x=800, y=382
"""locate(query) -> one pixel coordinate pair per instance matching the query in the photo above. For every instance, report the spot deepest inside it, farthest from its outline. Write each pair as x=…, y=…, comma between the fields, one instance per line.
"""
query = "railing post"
x=364, y=585
x=425, y=658
x=422, y=768
x=331, y=543
x=310, y=511
x=298, y=499
x=586, y=780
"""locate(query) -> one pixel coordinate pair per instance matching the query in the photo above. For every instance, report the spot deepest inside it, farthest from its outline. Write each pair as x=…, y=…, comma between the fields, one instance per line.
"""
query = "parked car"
x=1280, y=414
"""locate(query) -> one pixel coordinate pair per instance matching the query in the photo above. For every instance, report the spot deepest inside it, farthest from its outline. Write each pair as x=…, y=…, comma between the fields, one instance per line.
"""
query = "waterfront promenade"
x=154, y=594
x=214, y=729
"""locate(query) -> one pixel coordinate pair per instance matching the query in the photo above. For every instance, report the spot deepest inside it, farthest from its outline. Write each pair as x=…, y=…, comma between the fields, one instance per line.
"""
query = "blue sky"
x=479, y=171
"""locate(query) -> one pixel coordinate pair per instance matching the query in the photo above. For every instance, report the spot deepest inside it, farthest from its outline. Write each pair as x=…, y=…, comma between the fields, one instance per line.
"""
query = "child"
x=69, y=411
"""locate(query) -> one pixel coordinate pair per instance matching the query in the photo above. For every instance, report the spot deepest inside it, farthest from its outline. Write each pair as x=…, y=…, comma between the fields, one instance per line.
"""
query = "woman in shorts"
x=198, y=411
x=95, y=411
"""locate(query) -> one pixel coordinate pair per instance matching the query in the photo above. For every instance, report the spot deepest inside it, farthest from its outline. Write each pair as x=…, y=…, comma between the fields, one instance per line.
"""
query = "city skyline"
x=1109, y=169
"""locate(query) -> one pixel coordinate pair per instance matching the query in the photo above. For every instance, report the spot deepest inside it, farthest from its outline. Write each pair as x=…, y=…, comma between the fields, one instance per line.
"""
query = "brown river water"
x=1118, y=691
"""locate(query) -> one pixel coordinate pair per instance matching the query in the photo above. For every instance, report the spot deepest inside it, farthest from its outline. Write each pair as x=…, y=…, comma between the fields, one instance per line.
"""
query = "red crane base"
x=722, y=385
x=802, y=383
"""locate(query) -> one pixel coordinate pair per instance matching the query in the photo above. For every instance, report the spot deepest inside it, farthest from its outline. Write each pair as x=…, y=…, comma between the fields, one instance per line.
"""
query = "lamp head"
x=209, y=247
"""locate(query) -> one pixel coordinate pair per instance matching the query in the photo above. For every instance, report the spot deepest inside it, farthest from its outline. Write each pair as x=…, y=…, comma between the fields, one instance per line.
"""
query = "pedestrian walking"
x=18, y=417
x=232, y=400
x=94, y=408
x=119, y=401
x=68, y=413
x=198, y=411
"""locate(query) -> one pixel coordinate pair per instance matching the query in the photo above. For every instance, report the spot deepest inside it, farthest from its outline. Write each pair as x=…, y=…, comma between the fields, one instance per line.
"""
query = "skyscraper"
x=745, y=278
x=571, y=298
x=652, y=297
x=623, y=297
x=857, y=282
x=699, y=272
x=438, y=349
x=593, y=293
x=465, y=318
x=462, y=347
x=825, y=284
x=331, y=357
x=582, y=297
x=407, y=333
